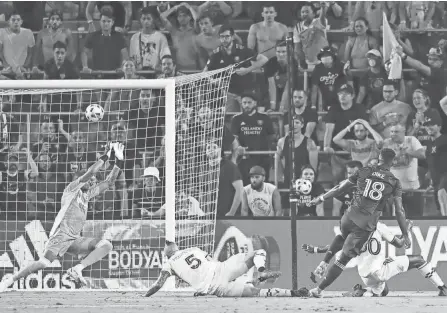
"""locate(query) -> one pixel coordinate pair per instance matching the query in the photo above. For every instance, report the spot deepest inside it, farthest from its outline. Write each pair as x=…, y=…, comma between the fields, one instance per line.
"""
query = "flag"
x=392, y=61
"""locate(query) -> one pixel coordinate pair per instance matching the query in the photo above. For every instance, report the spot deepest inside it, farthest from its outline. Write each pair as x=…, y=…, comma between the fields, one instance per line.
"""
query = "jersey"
x=373, y=253
x=375, y=186
x=192, y=266
x=261, y=202
x=74, y=206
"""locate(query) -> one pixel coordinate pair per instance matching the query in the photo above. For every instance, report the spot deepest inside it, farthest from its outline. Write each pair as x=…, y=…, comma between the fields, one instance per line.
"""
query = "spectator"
x=327, y=77
x=254, y=132
x=389, y=112
x=432, y=77
x=147, y=121
x=436, y=155
x=50, y=143
x=121, y=12
x=31, y=12
x=13, y=186
x=148, y=198
x=370, y=12
x=362, y=149
x=185, y=206
x=44, y=192
x=309, y=35
x=358, y=46
x=337, y=119
x=106, y=47
x=334, y=13
x=408, y=150
x=343, y=201
x=229, y=192
x=264, y=36
x=304, y=206
x=309, y=115
x=47, y=38
x=305, y=152
x=130, y=70
x=221, y=11
x=148, y=46
x=402, y=40
x=231, y=53
x=261, y=198
x=372, y=81
x=208, y=39
x=59, y=66
x=419, y=14
x=16, y=46
x=183, y=34
x=169, y=68
x=79, y=158
x=275, y=70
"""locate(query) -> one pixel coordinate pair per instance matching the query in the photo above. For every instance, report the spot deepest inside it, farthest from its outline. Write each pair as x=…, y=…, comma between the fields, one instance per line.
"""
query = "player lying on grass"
x=209, y=277
x=375, y=185
x=65, y=236
x=375, y=270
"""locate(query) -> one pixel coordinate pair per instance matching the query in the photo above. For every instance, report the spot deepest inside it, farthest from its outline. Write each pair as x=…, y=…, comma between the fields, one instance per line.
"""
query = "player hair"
x=225, y=28
x=107, y=13
x=388, y=155
x=354, y=164
x=59, y=45
x=15, y=12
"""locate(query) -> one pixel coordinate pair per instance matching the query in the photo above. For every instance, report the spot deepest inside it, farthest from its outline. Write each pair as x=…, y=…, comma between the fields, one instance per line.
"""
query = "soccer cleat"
x=321, y=269
x=315, y=293
x=300, y=293
x=76, y=275
x=267, y=275
x=5, y=284
x=442, y=291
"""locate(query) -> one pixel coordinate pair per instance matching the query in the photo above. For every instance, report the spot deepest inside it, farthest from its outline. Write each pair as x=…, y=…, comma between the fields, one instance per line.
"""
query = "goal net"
x=172, y=131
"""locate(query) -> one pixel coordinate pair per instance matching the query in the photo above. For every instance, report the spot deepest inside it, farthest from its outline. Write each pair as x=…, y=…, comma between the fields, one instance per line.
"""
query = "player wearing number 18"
x=375, y=185
x=211, y=277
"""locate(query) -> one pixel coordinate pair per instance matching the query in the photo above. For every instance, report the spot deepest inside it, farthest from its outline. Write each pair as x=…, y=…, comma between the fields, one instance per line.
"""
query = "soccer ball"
x=303, y=186
x=94, y=112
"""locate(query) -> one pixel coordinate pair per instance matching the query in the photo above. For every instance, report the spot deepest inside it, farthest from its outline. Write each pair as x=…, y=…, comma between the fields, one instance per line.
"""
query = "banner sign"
x=137, y=256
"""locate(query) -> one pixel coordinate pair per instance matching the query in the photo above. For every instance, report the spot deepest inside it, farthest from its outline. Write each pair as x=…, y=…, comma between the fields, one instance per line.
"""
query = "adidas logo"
x=22, y=256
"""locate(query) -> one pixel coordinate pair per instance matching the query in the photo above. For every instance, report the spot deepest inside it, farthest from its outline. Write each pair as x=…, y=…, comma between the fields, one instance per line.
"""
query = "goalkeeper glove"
x=110, y=152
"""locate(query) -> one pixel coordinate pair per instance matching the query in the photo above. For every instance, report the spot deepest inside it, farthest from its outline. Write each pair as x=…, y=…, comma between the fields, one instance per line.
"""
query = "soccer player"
x=65, y=235
x=209, y=277
x=375, y=270
x=375, y=185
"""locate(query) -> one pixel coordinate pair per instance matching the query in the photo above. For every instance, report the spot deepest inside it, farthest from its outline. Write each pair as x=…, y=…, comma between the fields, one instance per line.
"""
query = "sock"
x=275, y=292
x=259, y=259
x=98, y=254
x=29, y=269
x=336, y=245
x=429, y=272
x=334, y=271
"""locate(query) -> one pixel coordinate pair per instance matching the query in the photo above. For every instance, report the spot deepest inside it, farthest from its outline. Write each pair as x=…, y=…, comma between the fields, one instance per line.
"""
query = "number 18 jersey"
x=375, y=186
x=193, y=267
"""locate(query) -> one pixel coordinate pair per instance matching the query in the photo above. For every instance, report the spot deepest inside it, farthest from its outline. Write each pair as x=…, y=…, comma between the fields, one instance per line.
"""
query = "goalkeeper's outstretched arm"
x=164, y=275
x=92, y=170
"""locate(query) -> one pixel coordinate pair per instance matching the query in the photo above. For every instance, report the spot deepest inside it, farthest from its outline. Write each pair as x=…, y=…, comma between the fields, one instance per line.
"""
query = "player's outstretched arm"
x=164, y=275
x=92, y=170
x=314, y=249
x=109, y=182
x=337, y=190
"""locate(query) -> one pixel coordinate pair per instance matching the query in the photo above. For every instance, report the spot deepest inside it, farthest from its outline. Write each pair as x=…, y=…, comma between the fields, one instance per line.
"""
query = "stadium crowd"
x=344, y=107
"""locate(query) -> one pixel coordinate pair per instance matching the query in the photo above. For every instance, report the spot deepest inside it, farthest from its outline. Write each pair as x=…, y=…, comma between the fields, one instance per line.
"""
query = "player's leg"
x=237, y=289
x=239, y=264
x=95, y=249
x=351, y=248
x=429, y=272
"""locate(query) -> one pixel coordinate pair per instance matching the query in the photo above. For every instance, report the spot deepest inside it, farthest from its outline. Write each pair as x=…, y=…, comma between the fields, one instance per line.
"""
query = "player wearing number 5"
x=210, y=277
x=374, y=186
x=65, y=236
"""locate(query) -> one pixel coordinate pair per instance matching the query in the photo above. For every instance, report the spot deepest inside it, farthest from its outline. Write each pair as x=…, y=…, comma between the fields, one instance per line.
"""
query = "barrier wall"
x=137, y=256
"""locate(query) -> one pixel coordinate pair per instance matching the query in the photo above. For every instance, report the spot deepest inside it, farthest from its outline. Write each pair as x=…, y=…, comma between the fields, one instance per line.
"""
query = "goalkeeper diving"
x=210, y=277
x=375, y=270
x=65, y=236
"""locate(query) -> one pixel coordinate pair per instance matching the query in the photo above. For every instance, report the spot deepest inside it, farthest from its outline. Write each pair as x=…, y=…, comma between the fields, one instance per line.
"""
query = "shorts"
x=442, y=182
x=61, y=243
x=355, y=237
x=391, y=267
x=225, y=282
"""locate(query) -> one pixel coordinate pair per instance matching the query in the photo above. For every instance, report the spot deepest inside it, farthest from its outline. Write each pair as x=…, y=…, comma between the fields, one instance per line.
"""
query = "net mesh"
x=47, y=142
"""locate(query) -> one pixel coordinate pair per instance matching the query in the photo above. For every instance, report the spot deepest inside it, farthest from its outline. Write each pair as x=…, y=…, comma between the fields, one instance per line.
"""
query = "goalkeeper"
x=65, y=236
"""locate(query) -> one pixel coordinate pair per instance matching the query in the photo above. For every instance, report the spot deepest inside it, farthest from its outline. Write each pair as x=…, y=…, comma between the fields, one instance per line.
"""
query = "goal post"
x=175, y=201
